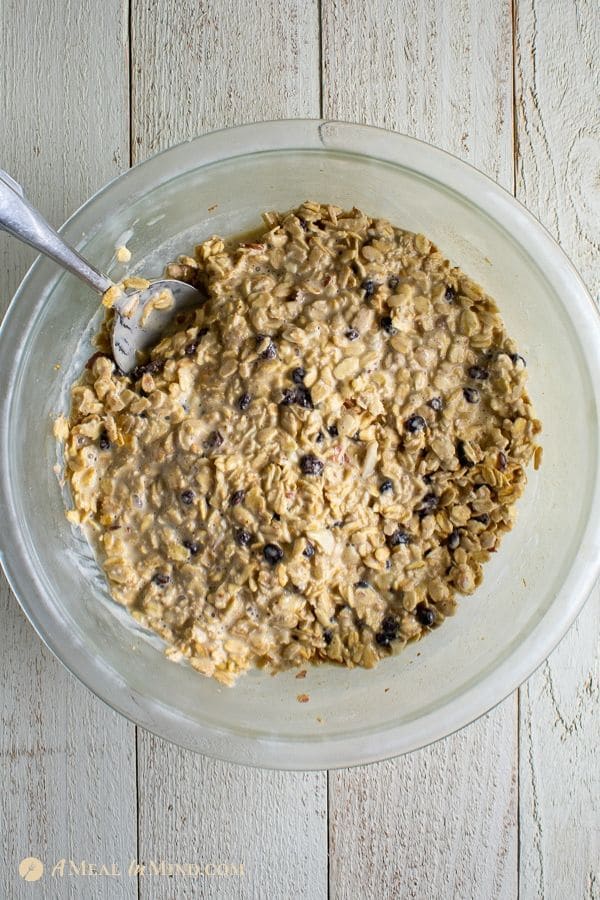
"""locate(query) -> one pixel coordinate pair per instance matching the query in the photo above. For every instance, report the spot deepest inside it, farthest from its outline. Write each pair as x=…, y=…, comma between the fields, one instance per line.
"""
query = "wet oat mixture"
x=318, y=461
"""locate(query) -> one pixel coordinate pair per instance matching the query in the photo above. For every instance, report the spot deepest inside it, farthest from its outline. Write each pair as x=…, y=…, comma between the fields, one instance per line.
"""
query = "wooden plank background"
x=508, y=807
x=557, y=86
x=67, y=761
x=445, y=78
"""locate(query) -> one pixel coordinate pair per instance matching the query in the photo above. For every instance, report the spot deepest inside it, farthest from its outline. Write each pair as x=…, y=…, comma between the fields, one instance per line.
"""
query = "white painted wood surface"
x=510, y=805
x=441, y=822
x=558, y=178
x=239, y=62
x=67, y=761
x=272, y=823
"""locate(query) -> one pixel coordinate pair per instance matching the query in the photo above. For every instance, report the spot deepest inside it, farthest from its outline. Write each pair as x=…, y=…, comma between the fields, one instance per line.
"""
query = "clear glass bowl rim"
x=383, y=146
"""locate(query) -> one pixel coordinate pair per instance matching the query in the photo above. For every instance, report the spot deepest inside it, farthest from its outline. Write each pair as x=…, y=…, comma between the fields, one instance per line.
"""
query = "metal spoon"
x=132, y=331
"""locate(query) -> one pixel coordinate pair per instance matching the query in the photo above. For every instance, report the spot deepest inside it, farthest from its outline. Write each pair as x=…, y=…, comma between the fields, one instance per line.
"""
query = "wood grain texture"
x=439, y=71
x=232, y=62
x=198, y=810
x=67, y=763
x=206, y=65
x=441, y=822
x=558, y=103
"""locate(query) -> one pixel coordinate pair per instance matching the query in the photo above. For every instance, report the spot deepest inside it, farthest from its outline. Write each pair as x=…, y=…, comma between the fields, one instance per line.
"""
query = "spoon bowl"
x=139, y=324
x=141, y=316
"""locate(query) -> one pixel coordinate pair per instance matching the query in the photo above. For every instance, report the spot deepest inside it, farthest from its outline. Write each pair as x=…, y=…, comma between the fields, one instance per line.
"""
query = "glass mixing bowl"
x=532, y=589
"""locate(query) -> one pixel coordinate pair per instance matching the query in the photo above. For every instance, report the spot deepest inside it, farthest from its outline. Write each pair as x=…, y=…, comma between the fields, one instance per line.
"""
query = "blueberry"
x=483, y=518
x=150, y=368
x=399, y=538
x=187, y=497
x=415, y=424
x=428, y=504
x=243, y=537
x=386, y=323
x=192, y=546
x=453, y=540
x=333, y=431
x=478, y=373
x=352, y=334
x=272, y=553
x=449, y=293
x=462, y=456
x=517, y=358
x=310, y=465
x=298, y=375
x=385, y=486
x=237, y=498
x=309, y=551
x=471, y=395
x=300, y=395
x=244, y=402
x=436, y=404
x=270, y=352
x=304, y=398
x=389, y=625
x=393, y=282
x=161, y=579
x=362, y=584
x=328, y=636
x=104, y=440
x=388, y=631
x=369, y=286
x=425, y=615
x=383, y=639
x=303, y=223
x=214, y=440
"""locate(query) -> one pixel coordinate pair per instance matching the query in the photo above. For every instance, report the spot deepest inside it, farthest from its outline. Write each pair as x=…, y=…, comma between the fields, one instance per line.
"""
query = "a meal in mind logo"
x=31, y=868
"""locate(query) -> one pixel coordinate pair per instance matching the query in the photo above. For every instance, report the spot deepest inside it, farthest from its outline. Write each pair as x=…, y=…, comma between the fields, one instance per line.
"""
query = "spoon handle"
x=20, y=219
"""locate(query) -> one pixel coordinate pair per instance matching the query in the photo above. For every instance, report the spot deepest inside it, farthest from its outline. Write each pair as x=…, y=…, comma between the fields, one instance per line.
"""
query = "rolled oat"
x=318, y=461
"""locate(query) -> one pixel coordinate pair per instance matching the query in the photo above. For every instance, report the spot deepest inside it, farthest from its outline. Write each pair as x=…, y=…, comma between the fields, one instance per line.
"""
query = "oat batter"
x=318, y=462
